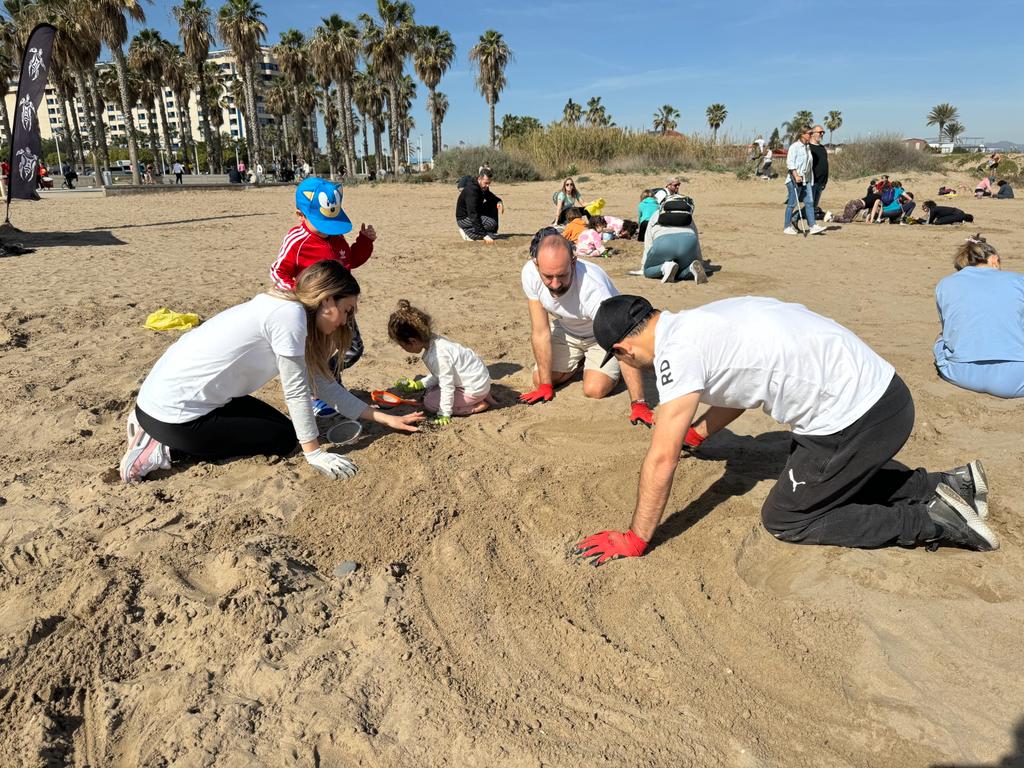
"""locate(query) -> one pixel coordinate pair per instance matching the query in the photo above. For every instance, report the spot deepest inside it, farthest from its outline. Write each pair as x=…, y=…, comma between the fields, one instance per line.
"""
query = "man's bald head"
x=556, y=261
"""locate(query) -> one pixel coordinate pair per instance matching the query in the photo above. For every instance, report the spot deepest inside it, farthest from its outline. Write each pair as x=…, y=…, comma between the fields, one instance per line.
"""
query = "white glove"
x=330, y=464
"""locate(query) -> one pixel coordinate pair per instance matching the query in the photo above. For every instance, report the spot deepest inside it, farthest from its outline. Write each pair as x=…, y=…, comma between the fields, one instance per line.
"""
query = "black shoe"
x=958, y=523
x=971, y=482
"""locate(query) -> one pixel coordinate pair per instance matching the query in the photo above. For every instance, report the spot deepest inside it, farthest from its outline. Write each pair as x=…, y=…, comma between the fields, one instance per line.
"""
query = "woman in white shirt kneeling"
x=197, y=400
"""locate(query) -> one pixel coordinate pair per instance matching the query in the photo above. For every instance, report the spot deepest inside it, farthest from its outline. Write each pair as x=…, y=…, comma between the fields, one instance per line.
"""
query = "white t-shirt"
x=576, y=309
x=176, y=168
x=760, y=144
x=801, y=368
x=232, y=354
x=452, y=365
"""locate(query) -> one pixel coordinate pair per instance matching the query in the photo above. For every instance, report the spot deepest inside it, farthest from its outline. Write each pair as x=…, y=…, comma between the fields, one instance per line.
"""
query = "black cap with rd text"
x=616, y=318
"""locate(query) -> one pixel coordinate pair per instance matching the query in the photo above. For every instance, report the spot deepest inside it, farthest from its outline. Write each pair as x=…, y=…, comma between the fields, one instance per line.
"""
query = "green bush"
x=466, y=161
x=884, y=154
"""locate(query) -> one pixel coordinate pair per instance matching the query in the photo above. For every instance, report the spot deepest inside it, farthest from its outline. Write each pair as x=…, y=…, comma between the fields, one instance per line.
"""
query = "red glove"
x=543, y=393
x=640, y=413
x=611, y=545
x=693, y=438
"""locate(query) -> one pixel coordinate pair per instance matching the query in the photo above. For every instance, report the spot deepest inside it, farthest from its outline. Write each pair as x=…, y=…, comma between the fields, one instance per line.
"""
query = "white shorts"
x=568, y=351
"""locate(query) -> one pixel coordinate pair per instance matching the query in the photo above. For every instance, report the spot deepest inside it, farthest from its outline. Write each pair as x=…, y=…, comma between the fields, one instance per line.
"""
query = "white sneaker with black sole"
x=463, y=233
x=971, y=482
x=668, y=271
x=791, y=231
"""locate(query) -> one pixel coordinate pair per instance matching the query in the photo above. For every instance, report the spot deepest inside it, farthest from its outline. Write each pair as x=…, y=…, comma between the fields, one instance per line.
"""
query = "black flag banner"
x=26, y=146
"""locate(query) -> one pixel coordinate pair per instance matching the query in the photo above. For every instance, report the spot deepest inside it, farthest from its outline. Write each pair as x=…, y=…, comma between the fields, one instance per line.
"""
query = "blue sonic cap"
x=319, y=201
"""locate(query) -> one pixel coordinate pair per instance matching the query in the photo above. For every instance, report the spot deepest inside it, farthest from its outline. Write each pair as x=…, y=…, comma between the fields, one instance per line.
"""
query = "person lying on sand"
x=849, y=410
x=944, y=214
x=559, y=285
x=197, y=400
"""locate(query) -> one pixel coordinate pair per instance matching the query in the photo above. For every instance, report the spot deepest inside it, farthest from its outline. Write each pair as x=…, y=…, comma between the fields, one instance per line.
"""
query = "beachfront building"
x=52, y=113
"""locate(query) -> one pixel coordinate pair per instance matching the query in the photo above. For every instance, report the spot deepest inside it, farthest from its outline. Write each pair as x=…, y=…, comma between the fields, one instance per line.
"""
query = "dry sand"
x=195, y=619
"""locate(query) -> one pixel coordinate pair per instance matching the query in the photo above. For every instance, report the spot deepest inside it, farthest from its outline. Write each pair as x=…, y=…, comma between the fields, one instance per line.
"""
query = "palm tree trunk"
x=366, y=140
x=284, y=134
x=5, y=134
x=395, y=127
x=94, y=94
x=205, y=119
x=378, y=148
x=491, y=103
x=350, y=127
x=433, y=122
x=185, y=126
x=84, y=96
x=714, y=135
x=121, y=68
x=248, y=115
x=74, y=136
x=330, y=127
x=154, y=132
x=342, y=125
x=252, y=118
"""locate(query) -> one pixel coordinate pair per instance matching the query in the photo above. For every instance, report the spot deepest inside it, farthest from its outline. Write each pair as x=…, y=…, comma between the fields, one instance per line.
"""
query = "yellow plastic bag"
x=595, y=208
x=166, y=320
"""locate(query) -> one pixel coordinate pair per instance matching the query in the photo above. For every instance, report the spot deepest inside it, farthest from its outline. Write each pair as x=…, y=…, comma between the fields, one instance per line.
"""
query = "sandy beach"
x=196, y=619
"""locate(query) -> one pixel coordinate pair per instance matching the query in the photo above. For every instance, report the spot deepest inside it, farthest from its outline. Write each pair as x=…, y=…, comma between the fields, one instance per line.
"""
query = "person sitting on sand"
x=899, y=209
x=944, y=214
x=1005, y=190
x=590, y=244
x=849, y=410
x=569, y=290
x=564, y=199
x=983, y=188
x=473, y=223
x=576, y=220
x=197, y=400
x=459, y=383
x=981, y=345
x=888, y=201
x=648, y=207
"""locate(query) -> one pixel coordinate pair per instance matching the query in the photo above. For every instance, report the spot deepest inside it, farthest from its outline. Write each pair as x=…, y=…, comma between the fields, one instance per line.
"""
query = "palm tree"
x=149, y=54
x=596, y=115
x=278, y=100
x=240, y=25
x=492, y=55
x=180, y=79
x=802, y=119
x=716, y=114
x=434, y=54
x=213, y=110
x=336, y=43
x=954, y=130
x=406, y=96
x=386, y=46
x=108, y=18
x=292, y=56
x=369, y=98
x=437, y=105
x=942, y=114
x=572, y=113
x=833, y=122
x=8, y=70
x=196, y=32
x=665, y=119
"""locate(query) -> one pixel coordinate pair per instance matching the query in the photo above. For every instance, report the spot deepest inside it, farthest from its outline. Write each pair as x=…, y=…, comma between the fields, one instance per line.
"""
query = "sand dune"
x=195, y=619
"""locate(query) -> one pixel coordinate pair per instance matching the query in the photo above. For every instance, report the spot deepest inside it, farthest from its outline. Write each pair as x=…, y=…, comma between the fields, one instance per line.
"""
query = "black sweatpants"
x=244, y=427
x=844, y=489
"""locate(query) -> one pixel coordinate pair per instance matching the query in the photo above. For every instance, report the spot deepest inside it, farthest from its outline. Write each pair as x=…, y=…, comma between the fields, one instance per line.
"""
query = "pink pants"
x=463, y=406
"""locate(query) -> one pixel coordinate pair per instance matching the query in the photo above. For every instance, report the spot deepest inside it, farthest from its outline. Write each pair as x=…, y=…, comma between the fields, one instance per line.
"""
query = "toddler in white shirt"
x=458, y=384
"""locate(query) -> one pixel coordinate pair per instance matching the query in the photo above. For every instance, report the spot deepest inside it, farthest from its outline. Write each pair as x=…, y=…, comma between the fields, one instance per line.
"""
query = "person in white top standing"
x=849, y=411
x=800, y=183
x=558, y=284
x=197, y=400
x=459, y=383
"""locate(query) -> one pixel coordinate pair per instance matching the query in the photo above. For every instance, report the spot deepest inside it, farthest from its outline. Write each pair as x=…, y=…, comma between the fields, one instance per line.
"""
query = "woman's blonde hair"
x=407, y=323
x=973, y=252
x=326, y=279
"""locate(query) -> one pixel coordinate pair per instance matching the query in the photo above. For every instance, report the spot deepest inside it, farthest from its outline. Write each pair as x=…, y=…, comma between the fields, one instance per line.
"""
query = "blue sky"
x=883, y=65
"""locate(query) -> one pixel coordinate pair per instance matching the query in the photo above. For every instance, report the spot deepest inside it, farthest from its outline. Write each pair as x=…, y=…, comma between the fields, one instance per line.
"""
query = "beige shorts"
x=568, y=351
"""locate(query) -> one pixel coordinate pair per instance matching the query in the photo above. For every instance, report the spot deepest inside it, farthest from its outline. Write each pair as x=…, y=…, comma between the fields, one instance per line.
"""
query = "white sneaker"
x=144, y=454
x=636, y=273
x=790, y=231
x=668, y=271
x=828, y=216
x=463, y=233
x=697, y=270
x=817, y=229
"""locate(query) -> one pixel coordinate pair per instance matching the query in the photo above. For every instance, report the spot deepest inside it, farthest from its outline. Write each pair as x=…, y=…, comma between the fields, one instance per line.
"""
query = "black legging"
x=244, y=427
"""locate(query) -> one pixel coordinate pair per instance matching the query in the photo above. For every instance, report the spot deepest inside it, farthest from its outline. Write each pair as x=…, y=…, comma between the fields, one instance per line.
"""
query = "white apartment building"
x=51, y=116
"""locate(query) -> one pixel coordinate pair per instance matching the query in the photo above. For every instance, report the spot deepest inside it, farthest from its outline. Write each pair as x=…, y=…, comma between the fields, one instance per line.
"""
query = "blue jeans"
x=1002, y=378
x=807, y=191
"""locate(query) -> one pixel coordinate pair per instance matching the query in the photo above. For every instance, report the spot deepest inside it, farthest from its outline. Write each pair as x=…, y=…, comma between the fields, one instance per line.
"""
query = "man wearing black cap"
x=849, y=410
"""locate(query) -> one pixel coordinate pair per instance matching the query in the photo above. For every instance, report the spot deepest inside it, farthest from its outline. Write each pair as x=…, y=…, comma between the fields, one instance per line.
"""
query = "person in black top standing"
x=819, y=168
x=476, y=210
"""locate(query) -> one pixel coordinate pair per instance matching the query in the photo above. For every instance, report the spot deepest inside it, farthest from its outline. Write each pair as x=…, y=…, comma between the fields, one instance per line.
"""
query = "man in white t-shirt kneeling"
x=849, y=411
x=558, y=284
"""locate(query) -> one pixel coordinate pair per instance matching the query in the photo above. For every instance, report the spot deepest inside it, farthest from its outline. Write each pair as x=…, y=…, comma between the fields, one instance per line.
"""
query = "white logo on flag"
x=26, y=163
x=27, y=112
x=35, y=62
